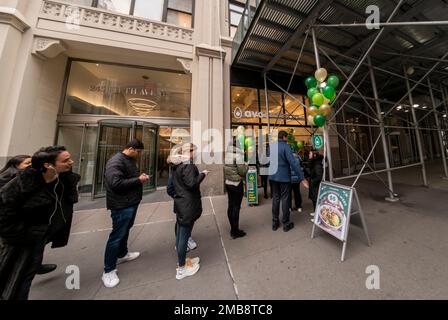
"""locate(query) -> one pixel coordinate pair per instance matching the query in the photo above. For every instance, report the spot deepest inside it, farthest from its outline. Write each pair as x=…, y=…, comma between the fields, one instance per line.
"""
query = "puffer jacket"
x=187, y=202
x=234, y=170
x=7, y=176
x=123, y=186
x=296, y=177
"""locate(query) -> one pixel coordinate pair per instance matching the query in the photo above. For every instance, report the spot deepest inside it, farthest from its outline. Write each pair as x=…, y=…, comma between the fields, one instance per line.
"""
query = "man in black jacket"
x=124, y=190
x=36, y=208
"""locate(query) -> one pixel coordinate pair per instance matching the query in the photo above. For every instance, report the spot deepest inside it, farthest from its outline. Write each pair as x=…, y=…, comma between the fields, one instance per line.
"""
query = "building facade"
x=92, y=74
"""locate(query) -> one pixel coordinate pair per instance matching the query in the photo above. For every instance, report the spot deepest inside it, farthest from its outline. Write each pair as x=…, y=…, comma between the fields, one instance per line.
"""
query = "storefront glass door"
x=112, y=136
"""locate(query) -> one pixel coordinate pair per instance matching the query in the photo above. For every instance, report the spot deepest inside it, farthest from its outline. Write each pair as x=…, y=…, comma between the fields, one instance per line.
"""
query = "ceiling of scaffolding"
x=271, y=37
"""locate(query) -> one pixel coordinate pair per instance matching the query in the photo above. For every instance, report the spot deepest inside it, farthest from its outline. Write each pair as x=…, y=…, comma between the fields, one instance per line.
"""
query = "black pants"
x=32, y=265
x=264, y=183
x=235, y=197
x=281, y=191
x=295, y=188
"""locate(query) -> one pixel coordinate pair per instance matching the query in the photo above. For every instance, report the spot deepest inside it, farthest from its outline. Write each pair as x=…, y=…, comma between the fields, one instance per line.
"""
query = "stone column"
x=209, y=68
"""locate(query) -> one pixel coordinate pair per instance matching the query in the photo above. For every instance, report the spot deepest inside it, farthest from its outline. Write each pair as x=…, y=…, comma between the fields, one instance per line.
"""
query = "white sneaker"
x=300, y=209
x=188, y=270
x=312, y=214
x=128, y=257
x=191, y=244
x=110, y=279
x=193, y=261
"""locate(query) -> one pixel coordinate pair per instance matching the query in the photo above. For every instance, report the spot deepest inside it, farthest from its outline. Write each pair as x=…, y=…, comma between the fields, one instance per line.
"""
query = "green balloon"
x=241, y=140
x=333, y=81
x=318, y=99
x=328, y=92
x=311, y=92
x=300, y=144
x=310, y=82
x=249, y=142
x=319, y=120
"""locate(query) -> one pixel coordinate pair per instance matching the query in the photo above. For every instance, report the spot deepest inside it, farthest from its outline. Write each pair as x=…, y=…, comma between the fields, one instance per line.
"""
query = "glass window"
x=105, y=89
x=294, y=110
x=275, y=107
x=235, y=18
x=168, y=138
x=87, y=3
x=121, y=6
x=181, y=5
x=179, y=18
x=152, y=9
x=244, y=105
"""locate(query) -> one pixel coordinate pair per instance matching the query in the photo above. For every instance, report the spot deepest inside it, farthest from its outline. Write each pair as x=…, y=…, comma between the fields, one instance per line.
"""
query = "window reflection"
x=125, y=91
x=121, y=6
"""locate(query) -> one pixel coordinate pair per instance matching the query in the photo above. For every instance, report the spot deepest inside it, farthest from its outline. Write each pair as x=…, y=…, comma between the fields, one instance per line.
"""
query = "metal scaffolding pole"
x=267, y=104
x=383, y=134
x=439, y=132
x=327, y=145
x=417, y=130
x=346, y=147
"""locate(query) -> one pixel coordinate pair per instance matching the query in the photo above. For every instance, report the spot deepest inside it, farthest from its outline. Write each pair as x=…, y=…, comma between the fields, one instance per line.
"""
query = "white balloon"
x=321, y=74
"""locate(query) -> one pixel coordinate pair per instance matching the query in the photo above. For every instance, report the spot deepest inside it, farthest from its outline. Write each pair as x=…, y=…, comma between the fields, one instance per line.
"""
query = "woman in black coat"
x=188, y=208
x=316, y=171
x=11, y=168
x=33, y=212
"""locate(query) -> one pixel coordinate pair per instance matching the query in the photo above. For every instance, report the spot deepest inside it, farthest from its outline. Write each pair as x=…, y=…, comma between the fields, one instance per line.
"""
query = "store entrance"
x=112, y=136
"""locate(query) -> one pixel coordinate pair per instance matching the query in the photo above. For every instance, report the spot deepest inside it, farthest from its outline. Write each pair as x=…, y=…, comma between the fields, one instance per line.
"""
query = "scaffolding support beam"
x=327, y=144
x=439, y=132
x=417, y=131
x=385, y=24
x=382, y=133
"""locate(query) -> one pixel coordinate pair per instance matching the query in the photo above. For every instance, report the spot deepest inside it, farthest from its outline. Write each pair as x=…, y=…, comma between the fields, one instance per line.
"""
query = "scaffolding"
x=384, y=116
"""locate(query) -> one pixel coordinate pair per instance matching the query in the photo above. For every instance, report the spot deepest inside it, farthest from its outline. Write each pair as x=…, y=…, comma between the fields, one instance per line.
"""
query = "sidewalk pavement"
x=409, y=245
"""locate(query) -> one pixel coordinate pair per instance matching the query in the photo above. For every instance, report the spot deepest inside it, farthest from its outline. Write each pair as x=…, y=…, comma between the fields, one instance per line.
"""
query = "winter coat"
x=296, y=177
x=316, y=174
x=123, y=186
x=233, y=171
x=26, y=208
x=187, y=202
x=284, y=162
x=7, y=176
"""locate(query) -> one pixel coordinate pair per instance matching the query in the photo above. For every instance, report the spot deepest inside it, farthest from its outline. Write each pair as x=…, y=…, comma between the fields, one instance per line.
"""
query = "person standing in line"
x=174, y=160
x=36, y=208
x=14, y=165
x=295, y=186
x=188, y=206
x=316, y=171
x=281, y=181
x=124, y=191
x=235, y=172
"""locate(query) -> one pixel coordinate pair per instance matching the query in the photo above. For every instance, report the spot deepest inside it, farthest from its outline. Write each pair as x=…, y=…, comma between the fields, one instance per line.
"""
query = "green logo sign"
x=251, y=186
x=318, y=141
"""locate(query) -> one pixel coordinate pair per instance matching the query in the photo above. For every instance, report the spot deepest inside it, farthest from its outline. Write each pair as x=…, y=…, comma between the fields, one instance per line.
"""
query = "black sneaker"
x=288, y=227
x=238, y=234
x=46, y=268
x=274, y=226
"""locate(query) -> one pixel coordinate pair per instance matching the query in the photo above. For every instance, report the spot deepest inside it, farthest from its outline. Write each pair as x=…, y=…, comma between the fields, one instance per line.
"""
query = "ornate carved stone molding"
x=186, y=64
x=46, y=48
x=82, y=16
x=209, y=51
x=14, y=18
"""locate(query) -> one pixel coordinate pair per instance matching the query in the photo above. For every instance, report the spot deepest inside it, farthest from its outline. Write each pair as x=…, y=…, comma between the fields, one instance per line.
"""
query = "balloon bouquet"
x=321, y=95
x=247, y=144
x=295, y=145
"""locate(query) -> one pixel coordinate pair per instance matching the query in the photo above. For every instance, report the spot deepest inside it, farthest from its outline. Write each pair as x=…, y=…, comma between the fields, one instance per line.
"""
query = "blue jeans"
x=117, y=245
x=182, y=234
